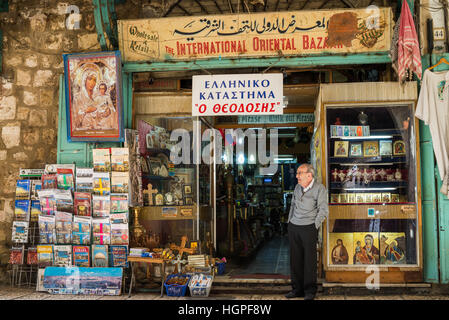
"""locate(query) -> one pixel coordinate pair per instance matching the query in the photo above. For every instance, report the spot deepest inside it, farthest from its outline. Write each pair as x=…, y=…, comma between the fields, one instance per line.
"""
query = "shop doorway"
x=260, y=203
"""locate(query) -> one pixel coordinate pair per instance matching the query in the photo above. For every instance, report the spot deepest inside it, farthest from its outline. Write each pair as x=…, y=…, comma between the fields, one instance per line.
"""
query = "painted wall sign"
x=258, y=34
x=284, y=118
x=237, y=94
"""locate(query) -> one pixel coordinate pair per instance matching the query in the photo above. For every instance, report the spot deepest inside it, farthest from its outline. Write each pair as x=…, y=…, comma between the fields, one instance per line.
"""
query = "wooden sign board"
x=256, y=35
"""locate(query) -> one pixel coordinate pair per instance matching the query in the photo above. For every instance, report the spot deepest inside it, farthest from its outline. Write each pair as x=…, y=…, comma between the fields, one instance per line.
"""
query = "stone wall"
x=35, y=35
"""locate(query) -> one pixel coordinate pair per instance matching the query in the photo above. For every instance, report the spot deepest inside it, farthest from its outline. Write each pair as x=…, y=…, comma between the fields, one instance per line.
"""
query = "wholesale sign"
x=237, y=94
x=257, y=34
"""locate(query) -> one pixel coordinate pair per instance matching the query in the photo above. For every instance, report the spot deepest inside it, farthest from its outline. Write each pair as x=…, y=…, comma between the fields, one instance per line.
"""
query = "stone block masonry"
x=35, y=35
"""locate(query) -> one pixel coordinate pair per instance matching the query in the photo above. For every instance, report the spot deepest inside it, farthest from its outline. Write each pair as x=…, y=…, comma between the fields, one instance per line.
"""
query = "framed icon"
x=356, y=150
x=386, y=197
x=335, y=198
x=341, y=149
x=385, y=147
x=351, y=197
x=189, y=201
x=399, y=148
x=93, y=91
x=154, y=166
x=343, y=198
x=352, y=131
x=187, y=189
x=359, y=198
x=368, y=197
x=377, y=198
x=159, y=199
x=395, y=197
x=371, y=148
x=333, y=131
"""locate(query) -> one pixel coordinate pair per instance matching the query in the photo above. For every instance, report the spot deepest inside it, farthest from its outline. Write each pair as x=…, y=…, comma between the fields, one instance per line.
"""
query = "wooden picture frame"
x=371, y=148
x=93, y=96
x=341, y=149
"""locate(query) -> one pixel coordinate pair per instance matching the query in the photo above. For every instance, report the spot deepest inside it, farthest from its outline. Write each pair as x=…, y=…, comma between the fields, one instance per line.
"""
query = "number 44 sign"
x=237, y=94
x=438, y=34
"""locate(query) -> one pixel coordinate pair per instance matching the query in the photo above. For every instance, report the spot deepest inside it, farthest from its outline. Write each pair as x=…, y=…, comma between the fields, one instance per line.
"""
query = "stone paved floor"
x=8, y=293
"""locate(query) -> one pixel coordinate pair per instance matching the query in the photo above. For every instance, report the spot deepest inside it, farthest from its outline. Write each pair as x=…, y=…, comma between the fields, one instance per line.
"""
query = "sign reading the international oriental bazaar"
x=237, y=94
x=258, y=34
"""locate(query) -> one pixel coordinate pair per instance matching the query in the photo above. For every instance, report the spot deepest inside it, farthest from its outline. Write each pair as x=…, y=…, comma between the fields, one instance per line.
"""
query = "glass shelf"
x=368, y=160
x=373, y=184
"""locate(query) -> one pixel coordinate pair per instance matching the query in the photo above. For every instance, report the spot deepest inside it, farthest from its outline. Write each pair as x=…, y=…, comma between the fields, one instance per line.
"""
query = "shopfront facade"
x=383, y=219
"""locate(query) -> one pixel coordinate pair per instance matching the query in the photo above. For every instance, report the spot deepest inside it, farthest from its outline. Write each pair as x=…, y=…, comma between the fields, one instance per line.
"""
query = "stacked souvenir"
x=81, y=213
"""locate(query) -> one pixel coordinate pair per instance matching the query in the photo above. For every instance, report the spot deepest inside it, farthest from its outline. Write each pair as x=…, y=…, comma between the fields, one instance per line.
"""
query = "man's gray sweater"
x=309, y=207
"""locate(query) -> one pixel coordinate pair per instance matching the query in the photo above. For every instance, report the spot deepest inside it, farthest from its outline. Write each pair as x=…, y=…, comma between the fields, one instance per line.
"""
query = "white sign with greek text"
x=237, y=94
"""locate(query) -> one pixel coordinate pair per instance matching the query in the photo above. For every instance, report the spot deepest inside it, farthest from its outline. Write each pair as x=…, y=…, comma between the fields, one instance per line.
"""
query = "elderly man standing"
x=308, y=210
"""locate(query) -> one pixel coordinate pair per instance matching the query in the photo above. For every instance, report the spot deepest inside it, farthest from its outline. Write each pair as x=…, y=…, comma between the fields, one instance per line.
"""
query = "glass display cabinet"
x=175, y=187
x=372, y=180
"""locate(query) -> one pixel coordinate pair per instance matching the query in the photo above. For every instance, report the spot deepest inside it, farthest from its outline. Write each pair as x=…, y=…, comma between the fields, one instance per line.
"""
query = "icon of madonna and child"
x=94, y=96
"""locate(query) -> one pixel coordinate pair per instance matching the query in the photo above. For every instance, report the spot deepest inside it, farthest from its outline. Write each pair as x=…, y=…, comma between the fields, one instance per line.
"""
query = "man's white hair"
x=309, y=168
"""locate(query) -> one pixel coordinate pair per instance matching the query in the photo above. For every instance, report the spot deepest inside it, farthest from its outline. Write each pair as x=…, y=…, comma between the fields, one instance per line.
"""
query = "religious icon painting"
x=335, y=198
x=343, y=198
x=392, y=246
x=399, y=148
x=93, y=96
x=366, y=248
x=359, y=197
x=351, y=198
x=341, y=247
x=370, y=148
x=395, y=197
x=356, y=150
x=386, y=197
x=385, y=147
x=341, y=149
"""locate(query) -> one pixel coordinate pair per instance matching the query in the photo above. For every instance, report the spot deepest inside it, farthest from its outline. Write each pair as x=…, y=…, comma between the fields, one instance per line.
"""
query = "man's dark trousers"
x=303, y=258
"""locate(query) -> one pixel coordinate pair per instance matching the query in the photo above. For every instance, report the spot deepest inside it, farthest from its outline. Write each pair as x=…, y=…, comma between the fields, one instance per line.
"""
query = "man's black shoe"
x=309, y=296
x=293, y=294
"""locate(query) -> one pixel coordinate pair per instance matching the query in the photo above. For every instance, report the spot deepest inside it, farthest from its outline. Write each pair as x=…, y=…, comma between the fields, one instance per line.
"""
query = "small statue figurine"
x=335, y=174
x=382, y=174
x=398, y=175
x=374, y=175
x=342, y=176
x=358, y=175
x=390, y=177
x=348, y=175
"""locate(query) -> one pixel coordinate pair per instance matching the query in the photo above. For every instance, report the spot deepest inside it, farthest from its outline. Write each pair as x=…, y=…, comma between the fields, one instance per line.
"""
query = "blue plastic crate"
x=221, y=267
x=174, y=290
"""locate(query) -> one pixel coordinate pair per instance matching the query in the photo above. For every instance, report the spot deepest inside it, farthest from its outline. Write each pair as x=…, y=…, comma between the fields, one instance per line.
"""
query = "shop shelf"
x=372, y=184
x=150, y=177
x=368, y=161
